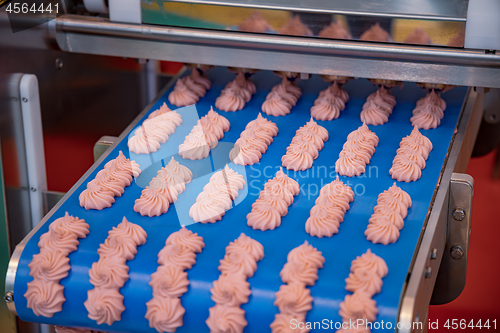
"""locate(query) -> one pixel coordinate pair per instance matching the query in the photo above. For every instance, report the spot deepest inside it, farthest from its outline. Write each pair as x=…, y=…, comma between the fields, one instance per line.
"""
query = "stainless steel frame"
x=83, y=34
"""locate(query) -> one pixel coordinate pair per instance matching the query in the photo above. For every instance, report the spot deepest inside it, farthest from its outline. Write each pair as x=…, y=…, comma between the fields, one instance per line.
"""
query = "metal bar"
x=418, y=291
x=14, y=260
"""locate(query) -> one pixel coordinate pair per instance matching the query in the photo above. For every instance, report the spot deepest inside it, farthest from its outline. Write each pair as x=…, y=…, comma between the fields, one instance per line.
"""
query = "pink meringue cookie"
x=165, y=313
x=287, y=182
x=414, y=156
x=192, y=85
x=372, y=262
x=49, y=265
x=358, y=306
x=263, y=216
x=109, y=184
x=323, y=109
x=255, y=23
x=277, y=190
x=365, y=281
x=384, y=212
x=359, y=144
x=399, y=194
x=336, y=90
x=306, y=134
x=293, y=299
x=296, y=159
x=44, y=298
x=200, y=79
x=245, y=83
x=317, y=129
x=123, y=163
x=392, y=203
x=299, y=272
x=281, y=324
x=428, y=117
x=96, y=197
x=116, y=173
x=182, y=95
x=335, y=213
x=108, y=273
x=376, y=34
x=275, y=105
x=206, y=211
x=222, y=186
x=180, y=170
x=263, y=123
x=228, y=319
x=321, y=225
x=178, y=256
x=335, y=31
x=219, y=120
x=338, y=188
x=405, y=170
x=185, y=238
x=105, y=306
x=223, y=199
x=349, y=164
x=295, y=28
x=373, y=114
x=162, y=110
x=140, y=144
x=382, y=232
x=195, y=146
x=245, y=154
x=306, y=253
x=434, y=98
x=169, y=280
x=161, y=186
x=254, y=141
x=415, y=146
x=152, y=132
x=383, y=96
x=229, y=175
x=230, y=290
x=229, y=100
x=168, y=121
x=361, y=152
x=248, y=245
x=239, y=89
x=281, y=90
x=365, y=132
x=420, y=138
x=306, y=146
x=238, y=262
x=335, y=199
x=291, y=87
x=173, y=180
x=211, y=127
x=151, y=203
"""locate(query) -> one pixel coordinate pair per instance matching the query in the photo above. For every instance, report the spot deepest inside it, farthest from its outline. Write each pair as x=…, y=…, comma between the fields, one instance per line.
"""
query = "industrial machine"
x=459, y=51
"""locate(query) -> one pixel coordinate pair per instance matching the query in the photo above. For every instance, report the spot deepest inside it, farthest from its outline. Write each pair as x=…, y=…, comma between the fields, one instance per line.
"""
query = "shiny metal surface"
x=450, y=10
x=14, y=260
x=272, y=52
x=429, y=253
x=452, y=272
x=102, y=145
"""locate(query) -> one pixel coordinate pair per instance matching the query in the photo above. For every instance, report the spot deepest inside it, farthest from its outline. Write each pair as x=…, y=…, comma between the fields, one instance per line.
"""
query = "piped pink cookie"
x=307, y=142
x=281, y=99
x=45, y=295
x=388, y=217
x=330, y=103
x=365, y=280
x=356, y=152
x=232, y=290
x=169, y=282
x=105, y=303
x=273, y=202
x=410, y=157
x=294, y=299
x=236, y=93
x=429, y=111
x=329, y=209
x=378, y=107
x=217, y=196
x=188, y=90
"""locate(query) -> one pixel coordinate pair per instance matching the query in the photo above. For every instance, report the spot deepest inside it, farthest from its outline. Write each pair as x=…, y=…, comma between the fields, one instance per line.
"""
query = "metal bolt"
x=459, y=214
x=59, y=63
x=457, y=252
x=434, y=254
x=427, y=273
x=9, y=297
x=33, y=189
x=25, y=100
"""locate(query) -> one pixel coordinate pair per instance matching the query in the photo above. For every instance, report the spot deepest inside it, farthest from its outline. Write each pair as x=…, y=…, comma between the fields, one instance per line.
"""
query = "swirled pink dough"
x=295, y=27
x=263, y=216
x=372, y=114
x=105, y=303
x=182, y=95
x=162, y=110
x=358, y=306
x=275, y=105
x=195, y=146
x=296, y=159
x=245, y=153
x=427, y=118
x=336, y=31
x=255, y=23
x=372, y=262
x=281, y=324
x=284, y=91
x=229, y=100
x=219, y=120
x=200, y=79
x=306, y=143
x=180, y=170
x=44, y=294
x=419, y=137
x=376, y=34
x=231, y=289
x=317, y=129
x=165, y=313
x=151, y=203
x=405, y=170
x=293, y=299
x=324, y=109
x=356, y=152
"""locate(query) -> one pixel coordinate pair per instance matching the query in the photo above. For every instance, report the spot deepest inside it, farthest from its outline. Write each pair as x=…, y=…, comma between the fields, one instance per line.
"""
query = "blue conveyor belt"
x=338, y=250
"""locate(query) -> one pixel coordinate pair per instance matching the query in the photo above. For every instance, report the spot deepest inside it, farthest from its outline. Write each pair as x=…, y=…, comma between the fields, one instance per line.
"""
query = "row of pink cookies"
x=388, y=216
x=188, y=90
x=305, y=146
x=294, y=299
x=236, y=94
x=410, y=158
x=204, y=136
x=163, y=189
x=253, y=141
x=378, y=107
x=281, y=99
x=154, y=131
x=329, y=209
x=273, y=202
x=109, y=183
x=45, y=295
x=329, y=103
x=109, y=274
x=170, y=281
x=217, y=196
x=232, y=290
x=356, y=152
x=429, y=111
x=365, y=280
